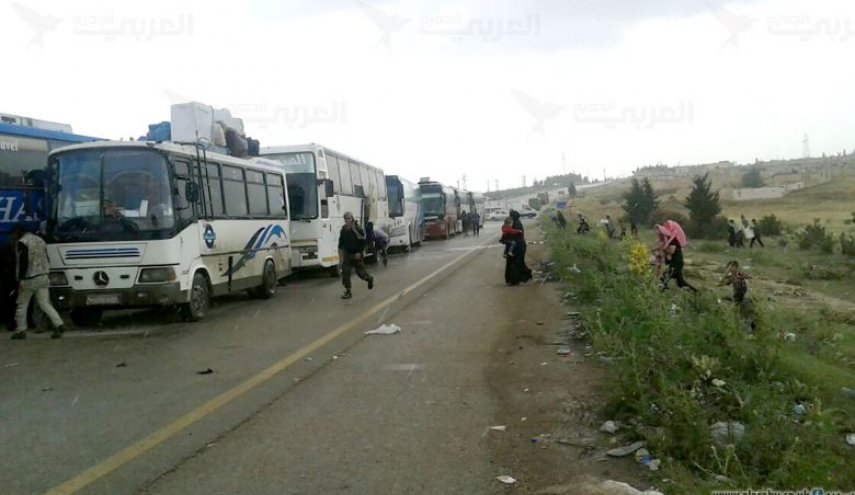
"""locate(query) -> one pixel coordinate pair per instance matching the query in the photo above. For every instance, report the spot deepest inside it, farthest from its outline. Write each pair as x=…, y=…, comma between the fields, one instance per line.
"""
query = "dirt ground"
x=550, y=404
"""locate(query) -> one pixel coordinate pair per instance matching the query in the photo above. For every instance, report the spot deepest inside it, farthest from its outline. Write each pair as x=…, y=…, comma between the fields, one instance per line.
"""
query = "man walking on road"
x=32, y=268
x=351, y=244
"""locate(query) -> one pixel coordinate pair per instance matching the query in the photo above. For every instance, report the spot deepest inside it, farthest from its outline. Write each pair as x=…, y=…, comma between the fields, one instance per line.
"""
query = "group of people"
x=749, y=232
x=471, y=222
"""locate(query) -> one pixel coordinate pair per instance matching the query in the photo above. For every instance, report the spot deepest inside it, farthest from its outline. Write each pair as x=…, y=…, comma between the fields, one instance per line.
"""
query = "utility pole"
x=563, y=163
x=464, y=181
x=496, y=183
x=524, y=181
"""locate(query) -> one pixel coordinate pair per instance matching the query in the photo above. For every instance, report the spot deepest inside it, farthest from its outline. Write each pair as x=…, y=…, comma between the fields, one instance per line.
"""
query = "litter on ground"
x=384, y=330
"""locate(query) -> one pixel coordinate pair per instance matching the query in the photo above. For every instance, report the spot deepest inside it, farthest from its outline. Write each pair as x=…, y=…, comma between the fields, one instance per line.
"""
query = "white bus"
x=135, y=224
x=407, y=225
x=322, y=185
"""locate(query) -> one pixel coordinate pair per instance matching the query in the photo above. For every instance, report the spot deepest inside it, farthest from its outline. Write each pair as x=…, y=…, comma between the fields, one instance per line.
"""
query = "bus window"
x=257, y=194
x=234, y=192
x=355, y=176
x=18, y=156
x=276, y=196
x=184, y=210
x=214, y=198
x=334, y=175
x=344, y=169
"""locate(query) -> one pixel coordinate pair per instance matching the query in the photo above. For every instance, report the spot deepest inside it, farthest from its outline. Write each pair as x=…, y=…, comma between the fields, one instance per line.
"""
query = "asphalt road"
x=299, y=400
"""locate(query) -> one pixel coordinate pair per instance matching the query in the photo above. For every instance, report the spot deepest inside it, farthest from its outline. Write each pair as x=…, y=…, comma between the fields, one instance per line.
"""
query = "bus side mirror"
x=191, y=192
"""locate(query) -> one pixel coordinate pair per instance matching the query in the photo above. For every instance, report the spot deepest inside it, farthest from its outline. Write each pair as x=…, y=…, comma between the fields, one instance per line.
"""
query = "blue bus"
x=23, y=159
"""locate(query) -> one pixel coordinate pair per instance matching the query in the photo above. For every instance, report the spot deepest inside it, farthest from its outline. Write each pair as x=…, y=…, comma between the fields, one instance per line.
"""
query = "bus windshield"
x=111, y=194
x=434, y=206
x=301, y=176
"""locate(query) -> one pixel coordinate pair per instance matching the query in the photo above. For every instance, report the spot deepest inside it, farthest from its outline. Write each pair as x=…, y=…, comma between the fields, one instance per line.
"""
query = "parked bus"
x=324, y=184
x=24, y=147
x=407, y=225
x=135, y=224
x=441, y=206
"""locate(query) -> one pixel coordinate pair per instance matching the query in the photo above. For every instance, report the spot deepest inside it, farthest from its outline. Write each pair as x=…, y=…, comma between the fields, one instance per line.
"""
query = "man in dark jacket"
x=351, y=245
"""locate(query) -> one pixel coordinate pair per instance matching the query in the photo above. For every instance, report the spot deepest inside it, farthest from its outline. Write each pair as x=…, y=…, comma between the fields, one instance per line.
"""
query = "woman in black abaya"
x=516, y=270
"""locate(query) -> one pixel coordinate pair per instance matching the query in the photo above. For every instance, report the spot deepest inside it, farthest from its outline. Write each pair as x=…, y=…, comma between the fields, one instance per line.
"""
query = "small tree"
x=703, y=205
x=752, y=178
x=640, y=201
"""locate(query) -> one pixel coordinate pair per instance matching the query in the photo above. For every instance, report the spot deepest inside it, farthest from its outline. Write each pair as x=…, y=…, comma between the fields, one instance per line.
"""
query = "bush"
x=816, y=236
x=681, y=362
x=770, y=225
x=847, y=244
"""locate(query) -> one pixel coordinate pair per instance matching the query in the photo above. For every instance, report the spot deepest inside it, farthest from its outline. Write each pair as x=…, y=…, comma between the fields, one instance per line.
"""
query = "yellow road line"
x=119, y=459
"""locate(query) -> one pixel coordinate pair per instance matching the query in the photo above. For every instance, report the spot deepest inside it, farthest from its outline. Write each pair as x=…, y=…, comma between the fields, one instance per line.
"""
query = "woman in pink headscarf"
x=671, y=242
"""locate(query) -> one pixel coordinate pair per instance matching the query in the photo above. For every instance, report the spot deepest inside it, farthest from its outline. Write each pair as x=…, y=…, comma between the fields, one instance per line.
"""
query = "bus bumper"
x=136, y=296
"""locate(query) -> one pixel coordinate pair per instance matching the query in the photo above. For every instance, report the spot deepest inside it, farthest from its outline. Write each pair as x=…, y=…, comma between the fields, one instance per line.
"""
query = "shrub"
x=770, y=225
x=816, y=236
x=847, y=244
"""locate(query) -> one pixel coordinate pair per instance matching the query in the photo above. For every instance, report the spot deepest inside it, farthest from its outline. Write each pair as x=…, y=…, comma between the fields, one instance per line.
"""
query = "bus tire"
x=86, y=317
x=269, y=282
x=200, y=299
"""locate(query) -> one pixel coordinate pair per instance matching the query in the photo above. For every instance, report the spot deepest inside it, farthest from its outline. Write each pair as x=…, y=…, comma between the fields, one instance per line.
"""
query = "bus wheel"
x=267, y=289
x=200, y=299
x=86, y=317
x=334, y=271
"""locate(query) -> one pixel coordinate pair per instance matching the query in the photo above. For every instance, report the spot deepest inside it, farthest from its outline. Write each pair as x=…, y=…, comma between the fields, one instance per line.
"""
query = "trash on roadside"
x=653, y=465
x=205, y=372
x=506, y=479
x=847, y=392
x=11, y=365
x=718, y=383
x=122, y=365
x=499, y=428
x=609, y=427
x=790, y=337
x=642, y=456
x=626, y=450
x=526, y=390
x=564, y=351
x=799, y=410
x=384, y=330
x=850, y=438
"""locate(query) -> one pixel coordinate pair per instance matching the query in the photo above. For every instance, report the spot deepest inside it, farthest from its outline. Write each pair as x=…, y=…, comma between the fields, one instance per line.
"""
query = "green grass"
x=668, y=348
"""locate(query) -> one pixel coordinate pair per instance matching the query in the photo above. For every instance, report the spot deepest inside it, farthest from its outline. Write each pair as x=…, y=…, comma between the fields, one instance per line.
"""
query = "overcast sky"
x=492, y=90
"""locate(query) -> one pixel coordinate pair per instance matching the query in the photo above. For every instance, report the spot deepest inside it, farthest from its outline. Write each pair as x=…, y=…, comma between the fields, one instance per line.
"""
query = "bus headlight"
x=58, y=279
x=160, y=274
